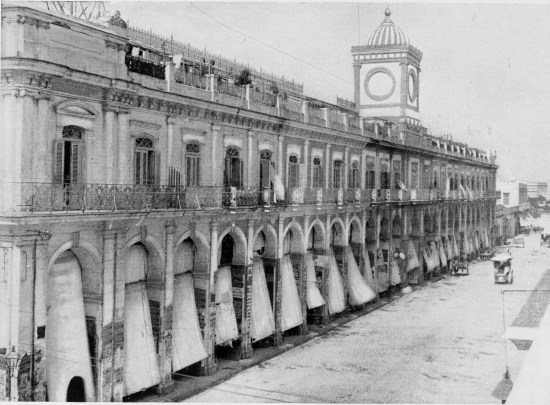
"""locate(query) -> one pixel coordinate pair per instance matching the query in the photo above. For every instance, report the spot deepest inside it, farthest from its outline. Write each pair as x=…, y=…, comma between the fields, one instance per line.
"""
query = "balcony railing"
x=48, y=198
x=145, y=67
x=191, y=79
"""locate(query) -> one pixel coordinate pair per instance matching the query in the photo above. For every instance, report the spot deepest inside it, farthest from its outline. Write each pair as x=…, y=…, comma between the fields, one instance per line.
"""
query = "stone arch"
x=270, y=241
x=338, y=232
x=238, y=238
x=316, y=238
x=200, y=250
x=89, y=258
x=293, y=239
x=155, y=255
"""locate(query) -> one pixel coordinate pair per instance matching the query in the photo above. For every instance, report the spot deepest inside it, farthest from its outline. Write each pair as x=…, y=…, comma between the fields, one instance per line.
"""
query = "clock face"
x=379, y=84
x=413, y=86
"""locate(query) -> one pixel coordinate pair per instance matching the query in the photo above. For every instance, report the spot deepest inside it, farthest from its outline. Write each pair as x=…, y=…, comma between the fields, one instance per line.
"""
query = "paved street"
x=440, y=344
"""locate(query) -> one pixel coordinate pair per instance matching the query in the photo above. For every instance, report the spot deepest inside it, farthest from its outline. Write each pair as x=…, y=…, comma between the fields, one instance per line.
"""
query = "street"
x=442, y=343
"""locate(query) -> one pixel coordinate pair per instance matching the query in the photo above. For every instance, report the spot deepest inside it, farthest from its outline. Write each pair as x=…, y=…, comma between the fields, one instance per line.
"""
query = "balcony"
x=145, y=67
x=48, y=198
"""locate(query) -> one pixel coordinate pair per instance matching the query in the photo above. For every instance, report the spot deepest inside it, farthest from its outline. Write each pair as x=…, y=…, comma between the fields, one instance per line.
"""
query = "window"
x=414, y=175
x=426, y=177
x=317, y=173
x=293, y=171
x=384, y=176
x=353, y=179
x=233, y=175
x=370, y=178
x=192, y=160
x=144, y=162
x=506, y=198
x=337, y=174
x=435, y=180
x=265, y=161
x=68, y=157
x=397, y=173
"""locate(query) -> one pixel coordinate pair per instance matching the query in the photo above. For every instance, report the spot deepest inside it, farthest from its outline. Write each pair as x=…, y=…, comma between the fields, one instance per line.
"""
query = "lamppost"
x=13, y=361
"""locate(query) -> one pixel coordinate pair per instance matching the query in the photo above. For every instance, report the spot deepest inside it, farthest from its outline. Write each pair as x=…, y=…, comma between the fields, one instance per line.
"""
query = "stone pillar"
x=10, y=158
x=304, y=181
x=347, y=168
x=251, y=163
x=170, y=121
x=215, y=177
x=166, y=312
x=109, y=124
x=305, y=111
x=169, y=74
x=363, y=168
x=278, y=338
x=42, y=169
x=325, y=316
x=29, y=133
x=357, y=85
x=208, y=365
x=280, y=164
x=124, y=150
x=327, y=166
x=110, y=363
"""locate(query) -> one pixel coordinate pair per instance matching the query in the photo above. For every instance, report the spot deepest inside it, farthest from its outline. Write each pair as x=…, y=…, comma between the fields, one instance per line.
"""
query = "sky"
x=485, y=73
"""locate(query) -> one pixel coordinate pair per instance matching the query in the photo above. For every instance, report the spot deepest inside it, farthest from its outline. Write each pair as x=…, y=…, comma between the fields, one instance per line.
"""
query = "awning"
x=278, y=187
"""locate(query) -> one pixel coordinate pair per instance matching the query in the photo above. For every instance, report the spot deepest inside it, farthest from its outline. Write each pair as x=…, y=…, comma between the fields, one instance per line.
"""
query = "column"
x=328, y=251
x=357, y=85
x=280, y=165
x=124, y=150
x=170, y=121
x=10, y=157
x=304, y=181
x=208, y=365
x=106, y=342
x=363, y=169
x=327, y=166
x=29, y=133
x=119, y=277
x=278, y=339
x=246, y=341
x=250, y=164
x=165, y=343
x=347, y=168
x=215, y=176
x=42, y=166
x=109, y=124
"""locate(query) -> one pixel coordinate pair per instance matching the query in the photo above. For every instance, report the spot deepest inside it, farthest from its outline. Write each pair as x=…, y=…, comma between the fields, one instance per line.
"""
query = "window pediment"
x=76, y=109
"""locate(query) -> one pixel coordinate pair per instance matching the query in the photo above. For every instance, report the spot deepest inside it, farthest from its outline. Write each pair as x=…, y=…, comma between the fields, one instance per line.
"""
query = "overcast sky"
x=484, y=64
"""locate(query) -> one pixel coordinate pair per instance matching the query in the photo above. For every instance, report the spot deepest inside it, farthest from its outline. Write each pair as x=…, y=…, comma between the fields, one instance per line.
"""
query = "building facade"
x=511, y=205
x=163, y=208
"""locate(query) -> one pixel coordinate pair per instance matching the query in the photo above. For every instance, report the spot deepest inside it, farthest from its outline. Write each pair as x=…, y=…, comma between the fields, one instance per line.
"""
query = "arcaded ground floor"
x=443, y=343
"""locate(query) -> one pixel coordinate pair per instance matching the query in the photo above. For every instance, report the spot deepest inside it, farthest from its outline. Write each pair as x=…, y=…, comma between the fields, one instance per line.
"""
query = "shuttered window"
x=293, y=171
x=370, y=178
x=265, y=161
x=146, y=163
x=192, y=159
x=317, y=173
x=233, y=174
x=337, y=174
x=68, y=156
x=384, y=176
x=353, y=178
x=414, y=175
x=397, y=170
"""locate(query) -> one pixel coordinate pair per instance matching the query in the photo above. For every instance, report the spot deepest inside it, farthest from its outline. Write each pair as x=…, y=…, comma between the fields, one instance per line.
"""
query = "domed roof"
x=388, y=33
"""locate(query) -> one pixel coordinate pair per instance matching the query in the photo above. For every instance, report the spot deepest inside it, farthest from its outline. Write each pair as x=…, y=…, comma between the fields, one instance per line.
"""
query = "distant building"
x=536, y=188
x=511, y=206
x=163, y=208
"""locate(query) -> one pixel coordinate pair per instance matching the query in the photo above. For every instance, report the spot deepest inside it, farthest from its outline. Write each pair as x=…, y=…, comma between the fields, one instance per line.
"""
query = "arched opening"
x=141, y=322
x=370, y=242
x=262, y=323
x=428, y=225
x=396, y=228
x=187, y=340
x=315, y=269
x=230, y=286
x=66, y=301
x=384, y=229
x=75, y=390
x=291, y=275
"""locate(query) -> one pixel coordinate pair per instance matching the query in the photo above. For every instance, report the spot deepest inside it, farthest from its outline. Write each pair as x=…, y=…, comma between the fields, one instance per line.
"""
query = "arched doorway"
x=75, y=390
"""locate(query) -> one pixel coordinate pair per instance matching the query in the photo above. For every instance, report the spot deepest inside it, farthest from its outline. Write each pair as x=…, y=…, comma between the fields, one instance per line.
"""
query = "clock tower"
x=387, y=75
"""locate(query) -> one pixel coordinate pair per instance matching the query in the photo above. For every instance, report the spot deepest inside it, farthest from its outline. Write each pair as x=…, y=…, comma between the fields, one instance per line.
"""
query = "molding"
x=143, y=126
x=369, y=75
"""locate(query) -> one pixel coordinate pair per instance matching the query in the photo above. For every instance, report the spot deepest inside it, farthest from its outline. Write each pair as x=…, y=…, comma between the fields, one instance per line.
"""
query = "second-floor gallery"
x=180, y=208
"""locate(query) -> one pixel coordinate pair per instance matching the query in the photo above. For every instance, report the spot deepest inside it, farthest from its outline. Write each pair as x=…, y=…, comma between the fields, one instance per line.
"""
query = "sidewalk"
x=188, y=386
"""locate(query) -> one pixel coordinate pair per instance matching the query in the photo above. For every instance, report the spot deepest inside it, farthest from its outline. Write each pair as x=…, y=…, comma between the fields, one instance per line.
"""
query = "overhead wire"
x=265, y=43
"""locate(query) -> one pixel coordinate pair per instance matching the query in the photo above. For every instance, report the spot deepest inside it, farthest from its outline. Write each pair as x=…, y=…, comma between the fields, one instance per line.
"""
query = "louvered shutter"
x=76, y=158
x=155, y=165
x=241, y=171
x=58, y=161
